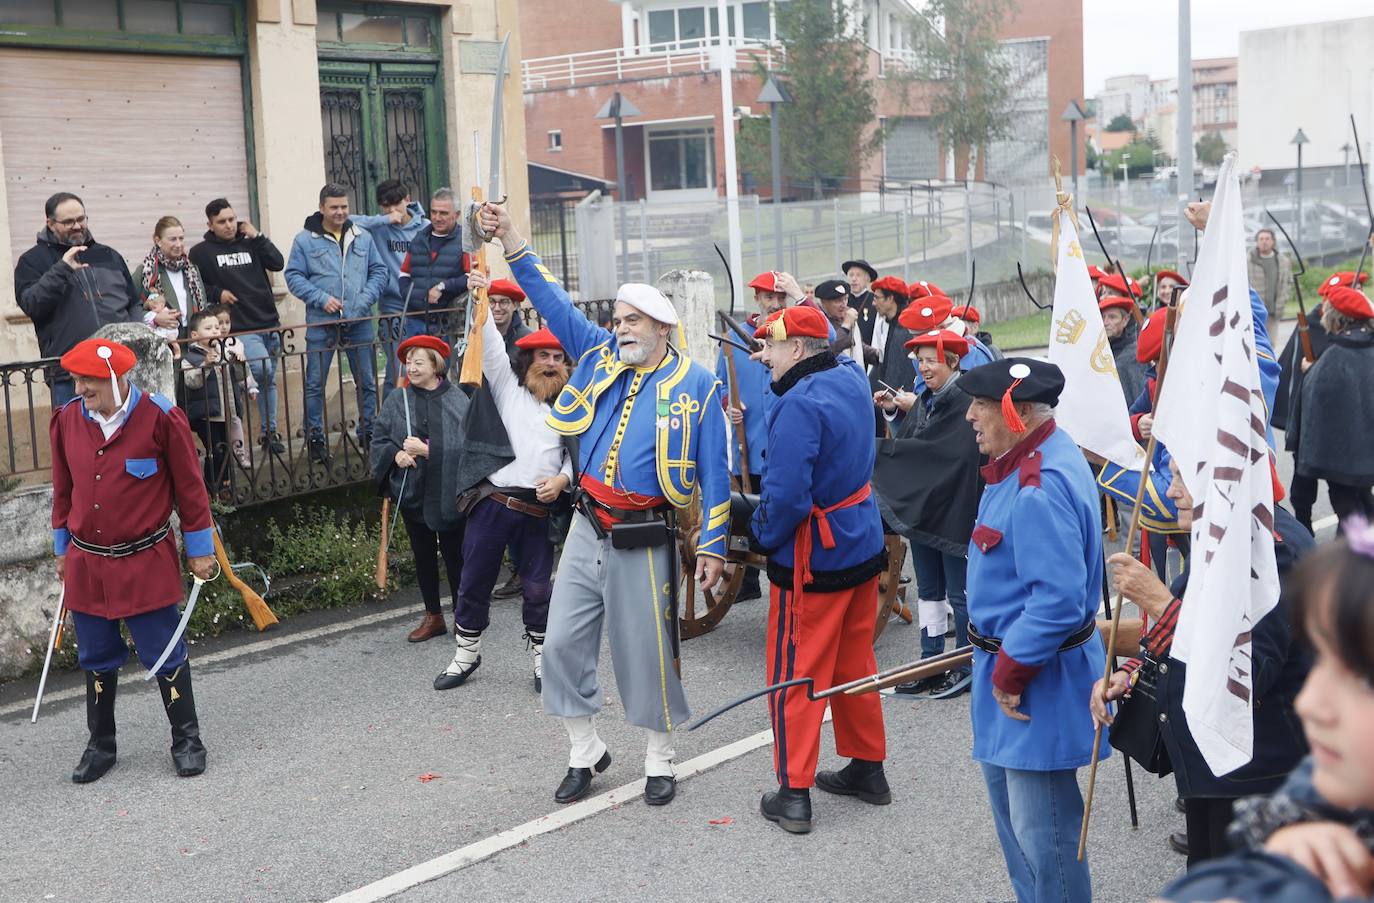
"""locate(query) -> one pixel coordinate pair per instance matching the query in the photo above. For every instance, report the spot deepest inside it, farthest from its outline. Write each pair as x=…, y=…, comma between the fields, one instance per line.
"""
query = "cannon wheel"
x=889, y=584
x=695, y=620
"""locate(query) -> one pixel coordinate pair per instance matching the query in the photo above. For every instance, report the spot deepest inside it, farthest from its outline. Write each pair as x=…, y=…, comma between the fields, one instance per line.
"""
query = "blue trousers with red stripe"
x=829, y=638
x=100, y=647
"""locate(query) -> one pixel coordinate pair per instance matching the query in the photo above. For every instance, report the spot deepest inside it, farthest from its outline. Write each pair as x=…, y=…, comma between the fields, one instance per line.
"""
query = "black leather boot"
x=188, y=753
x=859, y=778
x=578, y=781
x=99, y=756
x=790, y=809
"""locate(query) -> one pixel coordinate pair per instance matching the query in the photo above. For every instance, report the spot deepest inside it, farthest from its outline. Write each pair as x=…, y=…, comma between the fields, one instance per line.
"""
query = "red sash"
x=801, y=548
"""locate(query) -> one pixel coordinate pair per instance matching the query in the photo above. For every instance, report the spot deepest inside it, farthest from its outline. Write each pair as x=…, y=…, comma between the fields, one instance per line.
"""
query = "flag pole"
x=1130, y=540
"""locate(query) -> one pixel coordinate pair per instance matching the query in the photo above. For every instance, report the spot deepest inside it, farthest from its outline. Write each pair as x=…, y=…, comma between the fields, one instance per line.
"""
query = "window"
x=662, y=26
x=681, y=159
x=359, y=24
x=693, y=25
x=555, y=139
x=213, y=18
x=756, y=24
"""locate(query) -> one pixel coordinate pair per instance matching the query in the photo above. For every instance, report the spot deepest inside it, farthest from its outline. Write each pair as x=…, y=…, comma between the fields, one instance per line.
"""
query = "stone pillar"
x=153, y=372
x=693, y=294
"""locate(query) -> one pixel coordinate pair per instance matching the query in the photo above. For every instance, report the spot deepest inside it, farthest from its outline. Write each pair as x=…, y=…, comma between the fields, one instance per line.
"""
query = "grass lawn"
x=1032, y=331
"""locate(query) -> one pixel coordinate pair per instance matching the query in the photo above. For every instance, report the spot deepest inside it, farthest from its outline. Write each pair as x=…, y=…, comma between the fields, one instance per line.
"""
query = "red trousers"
x=828, y=638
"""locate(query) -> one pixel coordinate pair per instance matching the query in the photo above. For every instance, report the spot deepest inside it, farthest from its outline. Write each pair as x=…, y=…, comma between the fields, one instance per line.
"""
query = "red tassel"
x=1009, y=410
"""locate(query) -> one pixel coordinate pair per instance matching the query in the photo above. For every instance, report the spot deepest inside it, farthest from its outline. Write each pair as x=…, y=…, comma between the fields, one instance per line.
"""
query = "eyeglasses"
x=74, y=221
x=500, y=302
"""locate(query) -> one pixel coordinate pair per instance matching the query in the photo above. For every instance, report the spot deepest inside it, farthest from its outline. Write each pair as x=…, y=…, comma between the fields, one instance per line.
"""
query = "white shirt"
x=538, y=449
x=178, y=280
x=108, y=425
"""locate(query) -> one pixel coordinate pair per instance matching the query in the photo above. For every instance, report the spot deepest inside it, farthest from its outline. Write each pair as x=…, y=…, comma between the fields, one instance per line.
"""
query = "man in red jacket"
x=121, y=458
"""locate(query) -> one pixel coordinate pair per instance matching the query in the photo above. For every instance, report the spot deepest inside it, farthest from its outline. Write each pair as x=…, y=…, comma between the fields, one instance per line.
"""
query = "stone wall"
x=28, y=584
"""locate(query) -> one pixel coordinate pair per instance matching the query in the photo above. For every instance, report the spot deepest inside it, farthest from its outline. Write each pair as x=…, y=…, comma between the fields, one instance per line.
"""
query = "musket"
x=379, y=573
x=52, y=645
x=1369, y=208
x=726, y=340
x=1304, y=337
x=1021, y=277
x=1111, y=655
x=734, y=326
x=881, y=680
x=1170, y=319
x=471, y=373
x=1149, y=259
x=737, y=429
x=262, y=616
x=1121, y=271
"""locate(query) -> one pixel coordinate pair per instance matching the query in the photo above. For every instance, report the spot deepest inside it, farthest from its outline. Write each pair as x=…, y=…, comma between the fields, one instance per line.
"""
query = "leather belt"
x=624, y=515
x=124, y=549
x=520, y=505
x=993, y=645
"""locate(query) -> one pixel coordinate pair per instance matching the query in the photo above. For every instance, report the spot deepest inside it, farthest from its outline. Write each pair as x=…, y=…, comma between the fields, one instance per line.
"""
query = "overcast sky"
x=1121, y=38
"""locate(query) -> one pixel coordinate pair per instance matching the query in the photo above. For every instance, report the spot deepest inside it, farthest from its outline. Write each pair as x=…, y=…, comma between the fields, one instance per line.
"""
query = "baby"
x=155, y=304
x=243, y=380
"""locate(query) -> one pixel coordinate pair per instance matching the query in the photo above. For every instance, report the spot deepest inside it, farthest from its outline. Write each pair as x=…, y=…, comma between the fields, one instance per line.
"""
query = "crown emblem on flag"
x=1070, y=329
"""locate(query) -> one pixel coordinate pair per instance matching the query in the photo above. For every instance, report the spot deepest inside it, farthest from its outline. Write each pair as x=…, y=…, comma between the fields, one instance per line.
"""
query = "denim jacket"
x=319, y=268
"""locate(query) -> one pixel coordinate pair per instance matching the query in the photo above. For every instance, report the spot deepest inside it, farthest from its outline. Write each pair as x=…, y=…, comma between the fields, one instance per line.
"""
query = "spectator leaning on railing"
x=70, y=285
x=336, y=270
x=434, y=271
x=234, y=260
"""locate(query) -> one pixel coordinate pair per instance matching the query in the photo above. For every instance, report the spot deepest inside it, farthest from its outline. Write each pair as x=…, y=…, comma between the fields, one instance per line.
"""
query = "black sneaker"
x=319, y=451
x=918, y=687
x=947, y=686
x=272, y=444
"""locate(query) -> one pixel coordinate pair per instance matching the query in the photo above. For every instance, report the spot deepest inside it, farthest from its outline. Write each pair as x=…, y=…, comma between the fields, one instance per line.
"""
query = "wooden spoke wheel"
x=889, y=587
x=699, y=616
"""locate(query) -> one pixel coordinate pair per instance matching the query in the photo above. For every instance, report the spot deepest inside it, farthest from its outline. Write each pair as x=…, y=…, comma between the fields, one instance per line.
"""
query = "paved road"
x=319, y=734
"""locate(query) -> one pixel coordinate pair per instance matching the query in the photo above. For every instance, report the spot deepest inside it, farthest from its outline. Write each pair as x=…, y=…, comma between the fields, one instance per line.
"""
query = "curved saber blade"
x=800, y=681
x=177, y=634
x=497, y=113
x=47, y=659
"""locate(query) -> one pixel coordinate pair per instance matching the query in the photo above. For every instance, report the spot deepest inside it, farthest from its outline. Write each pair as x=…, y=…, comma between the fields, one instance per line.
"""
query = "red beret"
x=506, y=289
x=1110, y=301
x=926, y=313
x=89, y=358
x=541, y=339
x=794, y=323
x=923, y=289
x=1151, y=340
x=433, y=343
x=1117, y=283
x=765, y=282
x=941, y=340
x=1095, y=272
x=890, y=284
x=1170, y=274
x=968, y=313
x=1346, y=278
x=1349, y=301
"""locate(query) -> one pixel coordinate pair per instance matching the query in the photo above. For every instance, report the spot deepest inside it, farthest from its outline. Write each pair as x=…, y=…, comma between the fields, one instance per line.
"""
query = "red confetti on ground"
x=429, y=776
x=727, y=820
x=122, y=812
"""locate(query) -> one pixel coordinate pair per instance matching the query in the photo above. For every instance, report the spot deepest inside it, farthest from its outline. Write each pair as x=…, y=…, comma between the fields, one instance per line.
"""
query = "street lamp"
x=1299, y=139
x=775, y=94
x=1073, y=114
x=1346, y=149
x=618, y=108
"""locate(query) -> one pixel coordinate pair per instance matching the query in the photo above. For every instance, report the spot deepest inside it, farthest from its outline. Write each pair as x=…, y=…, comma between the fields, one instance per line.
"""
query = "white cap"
x=649, y=301
x=105, y=352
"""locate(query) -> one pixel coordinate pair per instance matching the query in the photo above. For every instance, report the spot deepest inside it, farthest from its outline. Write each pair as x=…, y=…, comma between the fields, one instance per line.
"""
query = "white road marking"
x=474, y=853
x=1329, y=521
x=240, y=651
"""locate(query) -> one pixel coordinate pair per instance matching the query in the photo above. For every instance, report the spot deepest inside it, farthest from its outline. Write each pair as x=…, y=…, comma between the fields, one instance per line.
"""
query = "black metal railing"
x=240, y=470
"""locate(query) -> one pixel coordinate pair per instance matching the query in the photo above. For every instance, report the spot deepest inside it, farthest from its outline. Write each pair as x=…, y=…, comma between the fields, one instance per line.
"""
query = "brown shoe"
x=432, y=626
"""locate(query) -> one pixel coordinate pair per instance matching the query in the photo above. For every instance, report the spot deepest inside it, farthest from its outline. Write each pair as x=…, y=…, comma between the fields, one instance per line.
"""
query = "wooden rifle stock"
x=379, y=575
x=471, y=374
x=262, y=616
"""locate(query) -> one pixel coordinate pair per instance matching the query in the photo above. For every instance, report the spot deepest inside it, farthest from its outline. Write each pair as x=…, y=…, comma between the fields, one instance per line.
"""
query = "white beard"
x=634, y=355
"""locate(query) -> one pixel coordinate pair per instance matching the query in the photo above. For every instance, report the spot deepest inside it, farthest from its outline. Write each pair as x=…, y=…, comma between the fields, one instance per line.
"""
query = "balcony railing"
x=653, y=61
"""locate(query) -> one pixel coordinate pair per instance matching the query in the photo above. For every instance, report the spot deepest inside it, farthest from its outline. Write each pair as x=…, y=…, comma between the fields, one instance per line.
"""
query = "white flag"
x=1211, y=416
x=1091, y=408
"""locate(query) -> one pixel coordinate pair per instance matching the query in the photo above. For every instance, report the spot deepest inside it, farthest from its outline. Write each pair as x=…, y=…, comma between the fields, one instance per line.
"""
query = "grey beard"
x=634, y=355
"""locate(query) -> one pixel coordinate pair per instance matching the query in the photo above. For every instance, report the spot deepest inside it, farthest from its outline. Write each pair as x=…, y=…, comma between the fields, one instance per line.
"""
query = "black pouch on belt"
x=639, y=536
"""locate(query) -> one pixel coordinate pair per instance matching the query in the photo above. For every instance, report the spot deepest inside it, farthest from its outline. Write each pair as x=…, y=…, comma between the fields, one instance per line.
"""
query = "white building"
x=1309, y=77
x=1123, y=95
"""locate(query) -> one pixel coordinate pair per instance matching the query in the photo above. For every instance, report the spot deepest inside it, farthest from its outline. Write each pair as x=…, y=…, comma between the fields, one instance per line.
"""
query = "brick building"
x=660, y=55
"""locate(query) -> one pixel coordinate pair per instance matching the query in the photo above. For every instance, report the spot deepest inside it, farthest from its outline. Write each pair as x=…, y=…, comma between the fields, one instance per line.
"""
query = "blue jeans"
x=392, y=332
x=321, y=344
x=1037, y=814
x=61, y=388
x=263, y=351
x=942, y=576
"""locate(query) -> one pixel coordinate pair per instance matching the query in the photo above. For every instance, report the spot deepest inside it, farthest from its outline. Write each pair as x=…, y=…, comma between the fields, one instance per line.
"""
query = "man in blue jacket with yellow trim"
x=1034, y=579
x=652, y=429
x=818, y=523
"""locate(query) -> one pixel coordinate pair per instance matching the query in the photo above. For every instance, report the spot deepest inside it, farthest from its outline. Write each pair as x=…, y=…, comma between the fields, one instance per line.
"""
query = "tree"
x=960, y=55
x=1120, y=123
x=1142, y=159
x=833, y=101
x=1211, y=149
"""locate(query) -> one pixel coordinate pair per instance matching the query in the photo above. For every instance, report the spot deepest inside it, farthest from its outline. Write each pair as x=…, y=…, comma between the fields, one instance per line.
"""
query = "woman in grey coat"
x=417, y=446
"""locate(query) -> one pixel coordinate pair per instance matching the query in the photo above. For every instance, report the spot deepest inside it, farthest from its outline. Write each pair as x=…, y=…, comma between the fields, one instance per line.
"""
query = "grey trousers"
x=628, y=589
